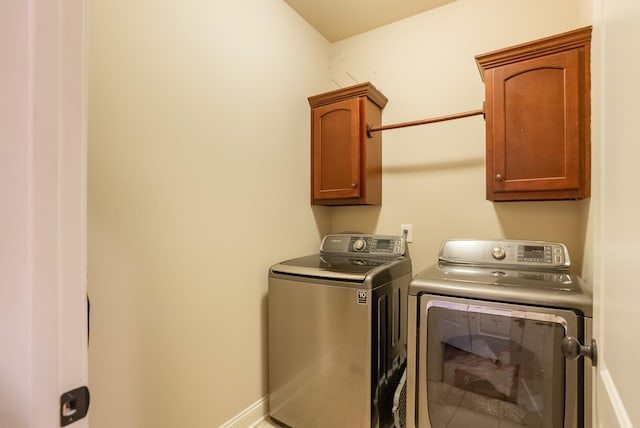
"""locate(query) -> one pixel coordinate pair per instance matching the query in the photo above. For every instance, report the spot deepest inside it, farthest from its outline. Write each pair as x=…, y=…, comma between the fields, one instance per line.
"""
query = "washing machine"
x=338, y=332
x=496, y=332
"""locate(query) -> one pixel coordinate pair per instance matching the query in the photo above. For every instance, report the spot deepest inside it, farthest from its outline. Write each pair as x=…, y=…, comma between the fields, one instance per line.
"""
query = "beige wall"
x=198, y=181
x=434, y=174
x=199, y=178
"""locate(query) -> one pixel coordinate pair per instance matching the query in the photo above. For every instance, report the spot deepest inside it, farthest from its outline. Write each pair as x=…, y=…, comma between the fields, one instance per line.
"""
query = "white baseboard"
x=250, y=417
x=610, y=408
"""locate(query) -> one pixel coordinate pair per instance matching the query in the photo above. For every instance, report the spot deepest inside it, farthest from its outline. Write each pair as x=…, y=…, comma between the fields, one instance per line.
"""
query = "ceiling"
x=339, y=19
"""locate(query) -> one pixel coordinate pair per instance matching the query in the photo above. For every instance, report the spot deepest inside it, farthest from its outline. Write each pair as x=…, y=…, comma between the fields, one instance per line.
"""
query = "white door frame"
x=615, y=206
x=43, y=307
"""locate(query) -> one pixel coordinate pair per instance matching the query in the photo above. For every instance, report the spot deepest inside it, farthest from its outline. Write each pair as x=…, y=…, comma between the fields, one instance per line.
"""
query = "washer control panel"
x=531, y=254
x=371, y=245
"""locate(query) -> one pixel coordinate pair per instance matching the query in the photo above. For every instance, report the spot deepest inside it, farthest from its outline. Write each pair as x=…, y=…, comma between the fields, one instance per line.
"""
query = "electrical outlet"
x=406, y=230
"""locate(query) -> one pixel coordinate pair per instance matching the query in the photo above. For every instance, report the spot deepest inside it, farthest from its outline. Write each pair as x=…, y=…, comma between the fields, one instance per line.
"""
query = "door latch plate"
x=74, y=405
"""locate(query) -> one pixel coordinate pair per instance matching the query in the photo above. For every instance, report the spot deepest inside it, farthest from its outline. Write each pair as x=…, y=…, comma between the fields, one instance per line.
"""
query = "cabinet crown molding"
x=362, y=89
x=534, y=49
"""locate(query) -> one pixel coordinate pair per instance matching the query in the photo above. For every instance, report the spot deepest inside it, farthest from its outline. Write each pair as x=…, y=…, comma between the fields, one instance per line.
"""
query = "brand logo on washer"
x=362, y=297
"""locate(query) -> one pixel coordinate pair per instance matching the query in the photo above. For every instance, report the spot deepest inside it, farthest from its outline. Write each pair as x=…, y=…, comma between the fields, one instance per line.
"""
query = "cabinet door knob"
x=354, y=185
x=499, y=177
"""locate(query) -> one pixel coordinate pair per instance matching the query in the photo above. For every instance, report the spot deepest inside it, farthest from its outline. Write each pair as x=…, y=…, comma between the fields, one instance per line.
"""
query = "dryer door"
x=494, y=365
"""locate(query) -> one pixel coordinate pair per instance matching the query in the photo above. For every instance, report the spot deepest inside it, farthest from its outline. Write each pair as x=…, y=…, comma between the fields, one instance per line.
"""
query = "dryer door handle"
x=573, y=349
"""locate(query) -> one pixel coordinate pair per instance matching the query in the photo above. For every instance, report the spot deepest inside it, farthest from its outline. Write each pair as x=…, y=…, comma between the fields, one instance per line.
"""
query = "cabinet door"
x=336, y=150
x=535, y=134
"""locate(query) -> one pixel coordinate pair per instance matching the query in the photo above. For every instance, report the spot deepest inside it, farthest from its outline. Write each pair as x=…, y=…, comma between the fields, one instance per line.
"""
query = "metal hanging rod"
x=371, y=129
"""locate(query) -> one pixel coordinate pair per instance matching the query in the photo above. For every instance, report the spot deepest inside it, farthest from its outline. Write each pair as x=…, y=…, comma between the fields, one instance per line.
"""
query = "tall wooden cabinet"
x=346, y=165
x=537, y=111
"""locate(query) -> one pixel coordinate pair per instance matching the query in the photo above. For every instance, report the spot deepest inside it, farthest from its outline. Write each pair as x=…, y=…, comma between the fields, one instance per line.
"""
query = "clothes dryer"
x=495, y=329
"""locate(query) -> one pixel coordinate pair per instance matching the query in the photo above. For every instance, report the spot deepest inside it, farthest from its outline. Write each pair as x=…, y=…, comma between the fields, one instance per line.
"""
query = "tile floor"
x=462, y=416
x=267, y=424
x=469, y=417
x=453, y=406
x=446, y=414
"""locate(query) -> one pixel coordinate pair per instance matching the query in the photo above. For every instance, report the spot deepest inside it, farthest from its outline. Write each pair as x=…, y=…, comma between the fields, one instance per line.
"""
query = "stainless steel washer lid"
x=539, y=288
x=318, y=266
x=352, y=257
x=344, y=268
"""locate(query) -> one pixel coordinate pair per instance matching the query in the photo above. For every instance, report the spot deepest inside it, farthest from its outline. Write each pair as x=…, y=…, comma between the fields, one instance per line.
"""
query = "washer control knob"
x=498, y=253
x=359, y=244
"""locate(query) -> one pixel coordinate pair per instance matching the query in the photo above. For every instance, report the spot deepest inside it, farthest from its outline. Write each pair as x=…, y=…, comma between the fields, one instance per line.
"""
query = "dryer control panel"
x=367, y=245
x=520, y=254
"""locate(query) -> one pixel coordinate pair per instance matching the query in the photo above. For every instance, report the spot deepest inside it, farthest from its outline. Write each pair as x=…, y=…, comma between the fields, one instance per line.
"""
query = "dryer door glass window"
x=492, y=370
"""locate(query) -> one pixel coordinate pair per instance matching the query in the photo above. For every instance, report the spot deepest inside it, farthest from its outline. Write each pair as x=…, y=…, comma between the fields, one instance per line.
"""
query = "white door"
x=616, y=126
x=43, y=306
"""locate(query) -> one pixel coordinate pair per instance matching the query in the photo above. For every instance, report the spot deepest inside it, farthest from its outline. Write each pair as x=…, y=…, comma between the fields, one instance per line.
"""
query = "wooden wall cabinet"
x=346, y=165
x=537, y=111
